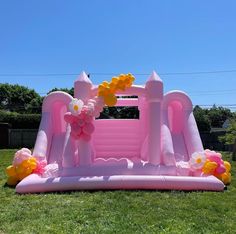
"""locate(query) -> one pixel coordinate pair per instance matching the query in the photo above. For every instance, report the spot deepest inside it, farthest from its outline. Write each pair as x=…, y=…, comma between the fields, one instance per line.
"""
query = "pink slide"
x=84, y=153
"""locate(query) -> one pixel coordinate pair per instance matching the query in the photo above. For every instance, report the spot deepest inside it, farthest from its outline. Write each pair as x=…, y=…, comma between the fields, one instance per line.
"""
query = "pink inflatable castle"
x=79, y=152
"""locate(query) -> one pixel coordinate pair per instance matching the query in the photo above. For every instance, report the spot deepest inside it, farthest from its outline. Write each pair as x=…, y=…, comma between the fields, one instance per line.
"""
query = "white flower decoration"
x=197, y=160
x=76, y=106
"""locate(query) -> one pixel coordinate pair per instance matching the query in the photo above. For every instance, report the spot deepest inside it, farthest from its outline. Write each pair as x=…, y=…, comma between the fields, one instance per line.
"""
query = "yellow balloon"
x=10, y=171
x=113, y=88
x=33, y=165
x=114, y=80
x=12, y=180
x=227, y=166
x=101, y=93
x=20, y=169
x=226, y=178
x=110, y=100
x=105, y=83
x=121, y=85
x=32, y=159
x=21, y=176
x=122, y=77
x=209, y=167
x=28, y=171
x=106, y=91
x=25, y=163
x=101, y=87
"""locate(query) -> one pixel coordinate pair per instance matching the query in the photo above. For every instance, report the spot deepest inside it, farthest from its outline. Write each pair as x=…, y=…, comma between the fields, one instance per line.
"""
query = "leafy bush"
x=20, y=121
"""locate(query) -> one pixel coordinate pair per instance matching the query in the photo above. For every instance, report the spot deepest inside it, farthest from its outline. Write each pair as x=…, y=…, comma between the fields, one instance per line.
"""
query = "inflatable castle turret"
x=154, y=97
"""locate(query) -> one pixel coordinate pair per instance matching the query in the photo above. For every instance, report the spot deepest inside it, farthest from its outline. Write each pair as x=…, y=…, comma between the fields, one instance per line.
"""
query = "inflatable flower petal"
x=75, y=106
x=197, y=160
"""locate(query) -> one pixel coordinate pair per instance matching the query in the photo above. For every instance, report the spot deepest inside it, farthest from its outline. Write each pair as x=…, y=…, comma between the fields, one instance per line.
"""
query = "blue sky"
x=101, y=36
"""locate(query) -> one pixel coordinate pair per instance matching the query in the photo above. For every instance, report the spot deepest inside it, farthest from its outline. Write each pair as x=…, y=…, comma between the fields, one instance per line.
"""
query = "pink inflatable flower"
x=76, y=106
x=197, y=160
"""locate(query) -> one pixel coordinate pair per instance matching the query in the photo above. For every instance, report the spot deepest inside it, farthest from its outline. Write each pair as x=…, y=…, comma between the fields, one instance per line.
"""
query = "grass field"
x=116, y=211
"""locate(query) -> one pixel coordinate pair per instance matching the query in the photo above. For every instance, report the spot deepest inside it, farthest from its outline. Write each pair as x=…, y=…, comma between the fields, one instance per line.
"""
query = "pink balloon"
x=69, y=118
x=91, y=101
x=90, y=110
x=88, y=128
x=215, y=158
x=81, y=122
x=76, y=128
x=75, y=135
x=96, y=114
x=88, y=119
x=99, y=108
x=99, y=101
x=220, y=169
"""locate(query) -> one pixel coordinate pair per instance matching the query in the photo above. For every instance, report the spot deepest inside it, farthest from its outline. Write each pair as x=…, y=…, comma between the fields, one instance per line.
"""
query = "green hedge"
x=20, y=121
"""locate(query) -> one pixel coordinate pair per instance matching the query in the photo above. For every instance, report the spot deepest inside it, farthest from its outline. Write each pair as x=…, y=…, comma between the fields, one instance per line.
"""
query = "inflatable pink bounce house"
x=151, y=152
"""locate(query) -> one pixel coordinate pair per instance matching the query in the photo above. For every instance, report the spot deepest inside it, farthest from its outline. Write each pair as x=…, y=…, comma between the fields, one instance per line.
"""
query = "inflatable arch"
x=151, y=152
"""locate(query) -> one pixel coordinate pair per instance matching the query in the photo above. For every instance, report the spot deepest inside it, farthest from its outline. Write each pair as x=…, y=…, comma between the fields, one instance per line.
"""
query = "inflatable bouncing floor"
x=76, y=151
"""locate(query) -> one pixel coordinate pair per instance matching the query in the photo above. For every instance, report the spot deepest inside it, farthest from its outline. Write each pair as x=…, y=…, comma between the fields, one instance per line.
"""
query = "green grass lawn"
x=116, y=211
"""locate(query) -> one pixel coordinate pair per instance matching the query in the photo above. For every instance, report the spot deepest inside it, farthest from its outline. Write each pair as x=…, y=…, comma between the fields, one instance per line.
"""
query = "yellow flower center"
x=76, y=107
x=199, y=160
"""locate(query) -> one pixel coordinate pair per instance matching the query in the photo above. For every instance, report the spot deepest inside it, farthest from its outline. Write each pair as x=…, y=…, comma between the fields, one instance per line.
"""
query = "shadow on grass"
x=9, y=186
x=69, y=192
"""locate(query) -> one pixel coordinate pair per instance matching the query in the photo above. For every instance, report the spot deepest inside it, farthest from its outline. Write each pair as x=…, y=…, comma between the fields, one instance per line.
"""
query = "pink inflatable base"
x=36, y=184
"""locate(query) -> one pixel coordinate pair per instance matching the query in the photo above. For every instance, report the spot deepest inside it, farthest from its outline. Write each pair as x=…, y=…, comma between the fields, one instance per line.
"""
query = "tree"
x=202, y=119
x=18, y=98
x=218, y=115
x=35, y=105
x=230, y=137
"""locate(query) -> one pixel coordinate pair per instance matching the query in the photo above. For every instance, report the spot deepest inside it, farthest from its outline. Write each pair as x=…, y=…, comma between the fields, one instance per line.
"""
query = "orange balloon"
x=110, y=99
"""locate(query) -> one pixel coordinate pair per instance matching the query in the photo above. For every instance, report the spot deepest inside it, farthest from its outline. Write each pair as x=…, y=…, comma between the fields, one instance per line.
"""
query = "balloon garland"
x=108, y=90
x=211, y=163
x=23, y=165
x=80, y=116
